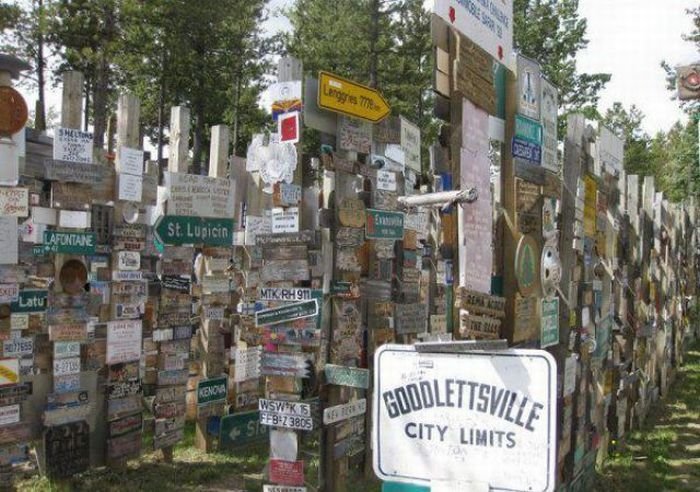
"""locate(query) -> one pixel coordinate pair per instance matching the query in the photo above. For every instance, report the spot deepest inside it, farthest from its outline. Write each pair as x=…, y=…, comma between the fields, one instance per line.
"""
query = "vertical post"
x=128, y=117
x=179, y=139
x=218, y=153
x=72, y=103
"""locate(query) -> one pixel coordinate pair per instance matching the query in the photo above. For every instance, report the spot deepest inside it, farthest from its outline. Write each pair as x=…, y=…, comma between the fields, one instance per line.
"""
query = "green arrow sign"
x=241, y=429
x=177, y=230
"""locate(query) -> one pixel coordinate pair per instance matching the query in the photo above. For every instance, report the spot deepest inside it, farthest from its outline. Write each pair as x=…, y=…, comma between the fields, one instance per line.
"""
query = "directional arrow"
x=178, y=230
x=350, y=98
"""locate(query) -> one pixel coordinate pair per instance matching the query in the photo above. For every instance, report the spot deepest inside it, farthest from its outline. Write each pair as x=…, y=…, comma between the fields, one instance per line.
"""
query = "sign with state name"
x=433, y=410
x=331, y=415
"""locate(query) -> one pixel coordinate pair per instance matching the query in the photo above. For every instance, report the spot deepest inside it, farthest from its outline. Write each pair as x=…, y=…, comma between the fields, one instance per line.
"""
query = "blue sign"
x=527, y=150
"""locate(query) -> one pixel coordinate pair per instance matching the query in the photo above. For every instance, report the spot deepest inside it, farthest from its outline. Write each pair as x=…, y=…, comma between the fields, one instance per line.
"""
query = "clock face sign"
x=13, y=111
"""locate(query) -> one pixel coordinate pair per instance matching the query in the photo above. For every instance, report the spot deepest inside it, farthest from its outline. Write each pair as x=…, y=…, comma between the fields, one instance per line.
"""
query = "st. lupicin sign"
x=484, y=417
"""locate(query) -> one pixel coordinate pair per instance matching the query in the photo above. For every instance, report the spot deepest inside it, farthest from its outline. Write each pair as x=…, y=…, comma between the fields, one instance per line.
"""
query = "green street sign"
x=211, y=390
x=241, y=429
x=347, y=376
x=381, y=224
x=176, y=230
x=403, y=487
x=78, y=243
x=30, y=301
x=549, y=320
x=38, y=250
x=528, y=130
x=290, y=312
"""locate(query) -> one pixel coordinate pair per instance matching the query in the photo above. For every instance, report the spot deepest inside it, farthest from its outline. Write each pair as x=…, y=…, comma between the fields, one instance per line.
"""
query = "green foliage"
x=628, y=126
x=552, y=33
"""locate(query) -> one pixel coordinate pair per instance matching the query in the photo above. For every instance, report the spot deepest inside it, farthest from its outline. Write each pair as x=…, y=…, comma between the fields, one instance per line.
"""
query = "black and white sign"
x=452, y=417
x=331, y=415
x=289, y=414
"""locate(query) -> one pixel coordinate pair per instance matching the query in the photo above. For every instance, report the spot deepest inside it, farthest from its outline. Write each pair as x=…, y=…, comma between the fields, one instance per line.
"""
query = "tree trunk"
x=100, y=102
x=161, y=114
x=40, y=116
x=373, y=40
x=236, y=109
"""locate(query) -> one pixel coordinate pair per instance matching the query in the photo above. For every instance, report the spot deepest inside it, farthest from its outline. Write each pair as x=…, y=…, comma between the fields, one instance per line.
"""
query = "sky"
x=627, y=38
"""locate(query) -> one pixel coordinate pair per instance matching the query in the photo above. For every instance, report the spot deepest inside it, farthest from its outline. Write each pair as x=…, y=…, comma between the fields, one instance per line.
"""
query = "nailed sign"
x=288, y=414
x=72, y=145
x=199, y=196
x=354, y=377
x=549, y=319
x=241, y=429
x=382, y=224
x=286, y=313
x=350, y=98
x=211, y=391
x=331, y=415
x=498, y=408
x=67, y=449
x=79, y=243
x=178, y=230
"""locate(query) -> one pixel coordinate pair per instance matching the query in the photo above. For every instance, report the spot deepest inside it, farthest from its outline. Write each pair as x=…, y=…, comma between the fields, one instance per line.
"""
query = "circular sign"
x=13, y=111
x=526, y=265
x=550, y=270
x=73, y=277
x=130, y=213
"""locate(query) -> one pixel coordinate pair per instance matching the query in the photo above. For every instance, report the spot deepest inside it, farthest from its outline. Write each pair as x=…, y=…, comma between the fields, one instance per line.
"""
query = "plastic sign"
x=449, y=417
x=350, y=98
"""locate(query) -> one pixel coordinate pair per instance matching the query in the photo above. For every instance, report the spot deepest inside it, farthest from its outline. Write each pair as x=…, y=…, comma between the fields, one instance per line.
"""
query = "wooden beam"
x=72, y=104
x=218, y=153
x=179, y=139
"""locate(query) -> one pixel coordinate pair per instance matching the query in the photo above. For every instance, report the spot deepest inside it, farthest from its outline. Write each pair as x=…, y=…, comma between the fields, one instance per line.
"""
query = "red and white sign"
x=287, y=472
x=288, y=127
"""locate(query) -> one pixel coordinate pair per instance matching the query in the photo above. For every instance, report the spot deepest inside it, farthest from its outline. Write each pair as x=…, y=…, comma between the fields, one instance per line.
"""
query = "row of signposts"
x=352, y=308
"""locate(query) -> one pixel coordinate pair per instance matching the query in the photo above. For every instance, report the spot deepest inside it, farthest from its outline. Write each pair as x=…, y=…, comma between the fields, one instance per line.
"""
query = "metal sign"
x=382, y=224
x=350, y=98
x=211, y=390
x=549, y=109
x=289, y=414
x=284, y=294
x=528, y=94
x=331, y=415
x=79, y=243
x=178, y=230
x=455, y=416
x=241, y=429
x=549, y=315
x=354, y=377
x=526, y=265
x=489, y=27
x=286, y=313
x=550, y=270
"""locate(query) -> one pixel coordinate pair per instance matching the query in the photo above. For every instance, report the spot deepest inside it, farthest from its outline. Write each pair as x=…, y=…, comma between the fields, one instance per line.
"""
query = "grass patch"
x=665, y=454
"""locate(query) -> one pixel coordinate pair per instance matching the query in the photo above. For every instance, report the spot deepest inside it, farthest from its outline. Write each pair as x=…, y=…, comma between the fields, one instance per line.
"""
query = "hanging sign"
x=611, y=149
x=410, y=143
x=433, y=410
x=350, y=98
x=688, y=78
x=286, y=472
x=177, y=230
x=30, y=301
x=13, y=111
x=67, y=449
x=9, y=371
x=386, y=180
x=354, y=377
x=488, y=24
x=288, y=127
x=528, y=95
x=285, y=221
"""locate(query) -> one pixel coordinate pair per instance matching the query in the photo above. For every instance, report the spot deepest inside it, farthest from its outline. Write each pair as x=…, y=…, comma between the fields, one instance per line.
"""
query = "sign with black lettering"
x=453, y=416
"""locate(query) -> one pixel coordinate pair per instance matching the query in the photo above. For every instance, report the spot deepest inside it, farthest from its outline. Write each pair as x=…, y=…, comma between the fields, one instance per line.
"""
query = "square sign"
x=288, y=127
x=454, y=417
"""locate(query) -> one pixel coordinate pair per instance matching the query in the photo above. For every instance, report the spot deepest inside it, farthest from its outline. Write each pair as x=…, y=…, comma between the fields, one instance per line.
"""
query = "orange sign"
x=13, y=111
x=350, y=98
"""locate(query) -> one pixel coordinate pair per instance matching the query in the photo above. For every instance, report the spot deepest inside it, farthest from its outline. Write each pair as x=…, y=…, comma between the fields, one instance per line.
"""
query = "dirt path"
x=665, y=455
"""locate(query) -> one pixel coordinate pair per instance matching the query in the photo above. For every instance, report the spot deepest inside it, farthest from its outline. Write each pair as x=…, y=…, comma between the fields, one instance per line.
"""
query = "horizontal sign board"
x=285, y=294
x=345, y=411
x=451, y=417
x=30, y=301
x=350, y=98
x=211, y=390
x=286, y=313
x=288, y=414
x=79, y=243
x=242, y=429
x=347, y=376
x=199, y=196
x=177, y=230
x=382, y=224
x=283, y=488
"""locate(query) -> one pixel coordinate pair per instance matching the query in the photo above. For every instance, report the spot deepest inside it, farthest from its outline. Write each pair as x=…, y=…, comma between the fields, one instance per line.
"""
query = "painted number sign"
x=289, y=414
x=452, y=417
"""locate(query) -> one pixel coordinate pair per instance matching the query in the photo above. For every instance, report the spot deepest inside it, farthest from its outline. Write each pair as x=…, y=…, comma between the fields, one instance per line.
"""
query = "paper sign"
x=14, y=202
x=285, y=221
x=9, y=239
x=386, y=180
x=73, y=219
x=130, y=187
x=123, y=341
x=130, y=161
x=288, y=127
x=72, y=145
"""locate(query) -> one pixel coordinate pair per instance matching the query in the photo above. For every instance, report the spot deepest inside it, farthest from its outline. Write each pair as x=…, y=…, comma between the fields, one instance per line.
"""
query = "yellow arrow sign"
x=350, y=98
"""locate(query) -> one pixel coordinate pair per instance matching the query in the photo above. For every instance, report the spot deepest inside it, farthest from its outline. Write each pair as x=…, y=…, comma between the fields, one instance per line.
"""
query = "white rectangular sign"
x=247, y=363
x=289, y=414
x=410, y=143
x=285, y=221
x=14, y=202
x=128, y=260
x=123, y=341
x=74, y=218
x=9, y=414
x=17, y=347
x=549, y=108
x=337, y=413
x=488, y=23
x=72, y=145
x=199, y=196
x=386, y=180
x=453, y=417
x=9, y=241
x=130, y=161
x=64, y=367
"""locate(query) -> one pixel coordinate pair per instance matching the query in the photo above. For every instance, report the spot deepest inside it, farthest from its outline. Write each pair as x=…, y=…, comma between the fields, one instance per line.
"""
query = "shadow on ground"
x=665, y=454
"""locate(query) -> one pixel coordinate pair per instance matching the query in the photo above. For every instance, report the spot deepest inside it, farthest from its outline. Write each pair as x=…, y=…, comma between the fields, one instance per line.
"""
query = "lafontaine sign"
x=79, y=243
x=176, y=230
x=452, y=417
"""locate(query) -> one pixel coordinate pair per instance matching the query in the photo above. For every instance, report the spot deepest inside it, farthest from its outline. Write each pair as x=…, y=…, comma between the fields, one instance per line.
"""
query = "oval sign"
x=526, y=265
x=13, y=111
